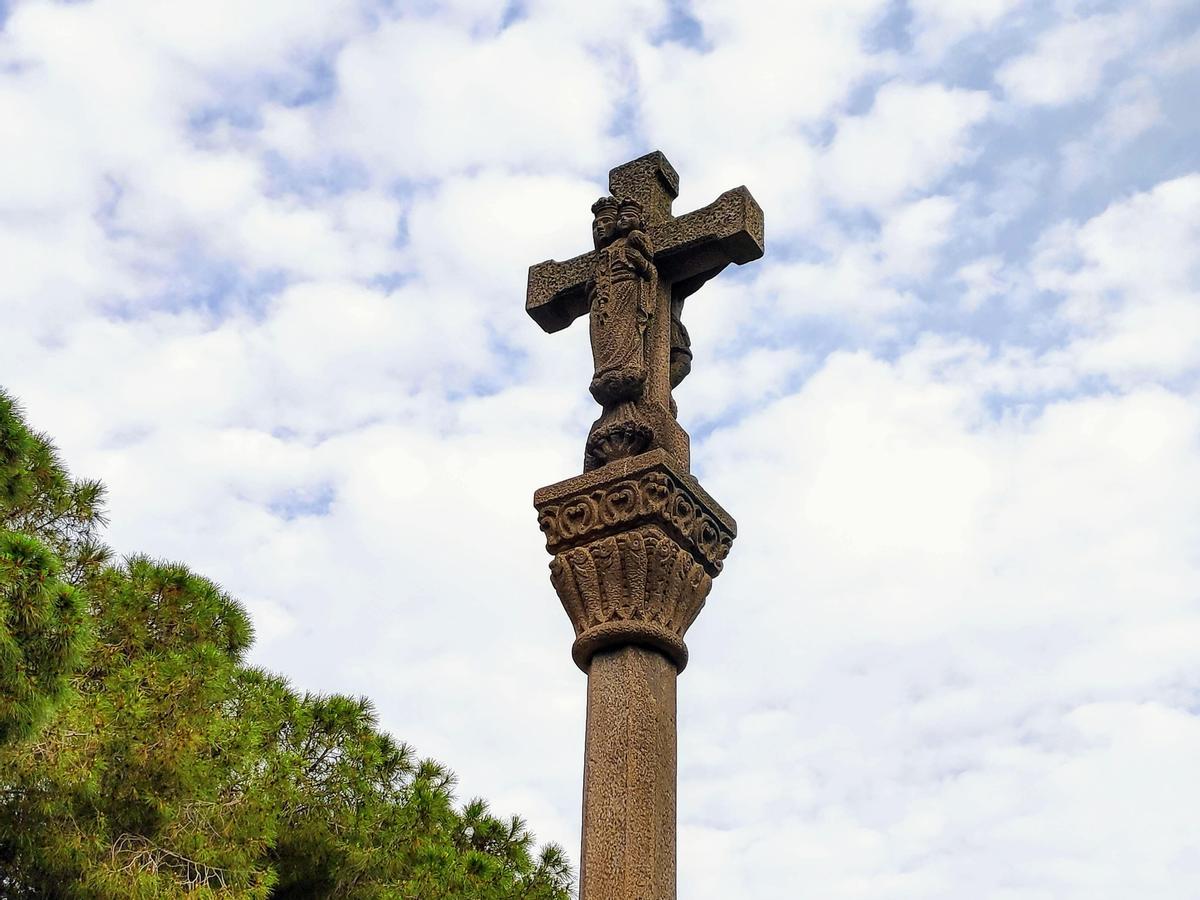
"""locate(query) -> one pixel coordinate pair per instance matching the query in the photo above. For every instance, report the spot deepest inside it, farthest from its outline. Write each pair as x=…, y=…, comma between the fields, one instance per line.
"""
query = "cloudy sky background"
x=263, y=273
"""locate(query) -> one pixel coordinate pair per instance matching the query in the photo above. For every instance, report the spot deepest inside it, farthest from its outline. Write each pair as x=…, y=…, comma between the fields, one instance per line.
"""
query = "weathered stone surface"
x=636, y=542
x=629, y=778
x=555, y=295
x=646, y=262
x=622, y=295
x=651, y=180
x=636, y=587
x=651, y=489
x=636, y=546
x=702, y=242
x=728, y=230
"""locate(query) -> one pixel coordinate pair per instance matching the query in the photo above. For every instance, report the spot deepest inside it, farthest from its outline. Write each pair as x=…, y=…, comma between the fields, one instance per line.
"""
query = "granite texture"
x=651, y=180
x=650, y=489
x=629, y=778
x=728, y=230
x=632, y=287
x=635, y=548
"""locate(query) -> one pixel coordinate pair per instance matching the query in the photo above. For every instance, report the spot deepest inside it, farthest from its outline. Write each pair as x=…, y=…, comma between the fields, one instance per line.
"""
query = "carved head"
x=630, y=217
x=604, y=221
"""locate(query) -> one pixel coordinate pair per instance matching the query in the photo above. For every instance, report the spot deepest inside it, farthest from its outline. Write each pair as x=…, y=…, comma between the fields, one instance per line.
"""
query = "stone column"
x=636, y=545
x=629, y=777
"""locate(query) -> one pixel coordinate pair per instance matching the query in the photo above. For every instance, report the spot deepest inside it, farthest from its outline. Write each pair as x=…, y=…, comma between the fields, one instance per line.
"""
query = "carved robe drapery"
x=622, y=296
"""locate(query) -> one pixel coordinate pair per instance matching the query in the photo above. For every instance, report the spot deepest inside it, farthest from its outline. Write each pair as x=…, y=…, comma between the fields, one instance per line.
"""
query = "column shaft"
x=629, y=778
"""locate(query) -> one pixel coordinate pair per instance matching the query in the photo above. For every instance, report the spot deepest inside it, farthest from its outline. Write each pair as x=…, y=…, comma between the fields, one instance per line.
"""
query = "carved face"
x=628, y=220
x=604, y=227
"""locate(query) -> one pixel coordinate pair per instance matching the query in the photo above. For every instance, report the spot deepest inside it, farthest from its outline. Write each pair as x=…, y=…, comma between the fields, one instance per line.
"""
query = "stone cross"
x=683, y=253
x=635, y=540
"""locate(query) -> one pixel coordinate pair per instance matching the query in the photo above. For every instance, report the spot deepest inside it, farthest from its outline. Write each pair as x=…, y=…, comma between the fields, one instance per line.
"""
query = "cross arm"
x=688, y=251
x=555, y=295
x=699, y=244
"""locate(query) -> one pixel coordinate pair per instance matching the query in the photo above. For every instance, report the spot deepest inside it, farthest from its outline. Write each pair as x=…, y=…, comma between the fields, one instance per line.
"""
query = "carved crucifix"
x=646, y=262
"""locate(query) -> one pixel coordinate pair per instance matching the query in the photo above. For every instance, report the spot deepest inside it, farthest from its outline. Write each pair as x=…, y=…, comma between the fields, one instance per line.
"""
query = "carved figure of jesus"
x=621, y=297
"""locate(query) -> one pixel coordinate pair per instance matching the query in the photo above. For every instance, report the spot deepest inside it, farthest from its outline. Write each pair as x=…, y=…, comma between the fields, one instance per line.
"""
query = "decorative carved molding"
x=634, y=587
x=653, y=495
x=636, y=546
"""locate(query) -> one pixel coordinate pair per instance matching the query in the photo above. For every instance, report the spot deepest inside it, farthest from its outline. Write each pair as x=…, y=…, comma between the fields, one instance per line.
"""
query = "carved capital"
x=634, y=587
x=636, y=545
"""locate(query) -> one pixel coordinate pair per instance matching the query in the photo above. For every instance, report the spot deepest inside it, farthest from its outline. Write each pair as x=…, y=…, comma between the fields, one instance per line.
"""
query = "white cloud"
x=862, y=287
x=912, y=135
x=722, y=386
x=983, y=279
x=1067, y=63
x=1179, y=56
x=1130, y=283
x=105, y=169
x=420, y=100
x=939, y=24
x=942, y=609
x=265, y=269
x=1133, y=109
x=847, y=291
x=738, y=110
x=785, y=64
x=489, y=227
x=913, y=234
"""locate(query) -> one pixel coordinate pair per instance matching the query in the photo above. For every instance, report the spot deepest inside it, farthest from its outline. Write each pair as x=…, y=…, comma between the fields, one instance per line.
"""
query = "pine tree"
x=172, y=768
x=144, y=786
x=363, y=819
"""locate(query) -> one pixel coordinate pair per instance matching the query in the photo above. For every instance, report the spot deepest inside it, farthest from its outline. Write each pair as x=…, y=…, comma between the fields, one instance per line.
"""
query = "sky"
x=263, y=273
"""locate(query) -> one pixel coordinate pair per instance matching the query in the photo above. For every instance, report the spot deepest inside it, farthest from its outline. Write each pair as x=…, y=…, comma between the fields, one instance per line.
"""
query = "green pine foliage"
x=45, y=518
x=40, y=499
x=145, y=758
x=364, y=819
x=43, y=627
x=150, y=783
